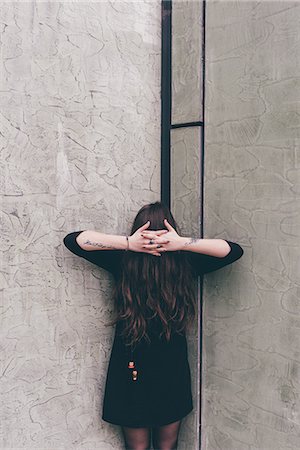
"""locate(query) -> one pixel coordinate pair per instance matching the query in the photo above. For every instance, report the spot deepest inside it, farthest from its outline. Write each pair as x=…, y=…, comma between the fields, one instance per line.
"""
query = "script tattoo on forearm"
x=99, y=244
x=192, y=241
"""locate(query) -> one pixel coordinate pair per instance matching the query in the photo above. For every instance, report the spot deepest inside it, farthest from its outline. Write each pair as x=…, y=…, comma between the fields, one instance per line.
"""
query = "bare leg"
x=136, y=438
x=166, y=437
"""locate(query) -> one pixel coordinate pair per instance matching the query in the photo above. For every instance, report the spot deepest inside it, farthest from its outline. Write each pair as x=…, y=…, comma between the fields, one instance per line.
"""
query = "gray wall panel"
x=185, y=179
x=251, y=316
x=80, y=134
x=185, y=205
x=186, y=61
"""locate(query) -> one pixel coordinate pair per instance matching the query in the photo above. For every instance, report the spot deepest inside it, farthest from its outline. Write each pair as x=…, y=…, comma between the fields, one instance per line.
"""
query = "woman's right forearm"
x=93, y=240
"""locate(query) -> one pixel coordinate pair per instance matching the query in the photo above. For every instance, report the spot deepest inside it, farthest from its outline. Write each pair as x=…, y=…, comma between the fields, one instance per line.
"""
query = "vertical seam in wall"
x=201, y=218
x=166, y=126
x=166, y=99
x=203, y=120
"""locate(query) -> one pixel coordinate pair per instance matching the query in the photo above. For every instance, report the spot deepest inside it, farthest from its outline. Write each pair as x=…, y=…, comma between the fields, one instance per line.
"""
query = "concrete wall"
x=251, y=360
x=80, y=135
x=80, y=148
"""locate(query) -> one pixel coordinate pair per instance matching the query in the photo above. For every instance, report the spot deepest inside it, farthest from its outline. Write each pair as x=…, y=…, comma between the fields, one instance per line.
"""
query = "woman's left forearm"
x=212, y=247
x=172, y=241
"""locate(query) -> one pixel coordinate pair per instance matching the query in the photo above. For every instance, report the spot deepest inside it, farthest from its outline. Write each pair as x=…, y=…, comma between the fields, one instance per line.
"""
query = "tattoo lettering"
x=98, y=244
x=192, y=241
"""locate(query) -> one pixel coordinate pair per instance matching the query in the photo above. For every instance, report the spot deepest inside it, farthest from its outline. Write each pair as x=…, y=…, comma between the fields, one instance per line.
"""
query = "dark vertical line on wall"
x=203, y=117
x=166, y=99
x=166, y=127
x=200, y=280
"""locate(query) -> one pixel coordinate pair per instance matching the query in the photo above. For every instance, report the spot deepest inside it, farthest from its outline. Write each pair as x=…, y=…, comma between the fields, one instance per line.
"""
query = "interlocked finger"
x=154, y=249
x=151, y=233
x=154, y=246
x=152, y=243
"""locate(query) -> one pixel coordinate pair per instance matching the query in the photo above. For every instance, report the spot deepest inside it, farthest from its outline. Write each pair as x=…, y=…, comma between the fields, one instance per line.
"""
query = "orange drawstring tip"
x=131, y=365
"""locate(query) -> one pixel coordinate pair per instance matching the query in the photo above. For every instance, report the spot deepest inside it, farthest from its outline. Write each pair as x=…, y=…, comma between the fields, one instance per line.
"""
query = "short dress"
x=159, y=391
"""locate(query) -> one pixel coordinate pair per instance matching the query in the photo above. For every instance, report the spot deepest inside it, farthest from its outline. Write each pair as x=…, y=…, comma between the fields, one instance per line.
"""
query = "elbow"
x=67, y=240
x=241, y=251
x=221, y=248
x=227, y=248
x=236, y=251
x=70, y=240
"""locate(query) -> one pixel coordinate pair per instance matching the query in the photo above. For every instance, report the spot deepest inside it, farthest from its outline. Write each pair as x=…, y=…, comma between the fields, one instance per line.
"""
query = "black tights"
x=164, y=438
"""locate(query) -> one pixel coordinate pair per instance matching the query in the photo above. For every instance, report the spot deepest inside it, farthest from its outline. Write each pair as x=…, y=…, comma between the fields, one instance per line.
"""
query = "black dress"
x=161, y=393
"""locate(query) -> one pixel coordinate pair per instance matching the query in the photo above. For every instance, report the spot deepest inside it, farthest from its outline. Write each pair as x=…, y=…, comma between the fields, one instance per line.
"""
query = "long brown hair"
x=150, y=286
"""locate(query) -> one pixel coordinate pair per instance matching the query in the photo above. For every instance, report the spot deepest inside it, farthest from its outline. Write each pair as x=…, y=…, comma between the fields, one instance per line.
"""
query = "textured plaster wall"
x=251, y=360
x=80, y=149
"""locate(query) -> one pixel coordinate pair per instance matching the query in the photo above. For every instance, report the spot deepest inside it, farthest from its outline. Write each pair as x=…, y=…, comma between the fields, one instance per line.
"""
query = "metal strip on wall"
x=166, y=127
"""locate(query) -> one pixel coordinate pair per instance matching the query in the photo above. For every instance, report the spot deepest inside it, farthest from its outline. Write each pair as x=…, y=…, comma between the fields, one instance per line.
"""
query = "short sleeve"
x=202, y=263
x=109, y=260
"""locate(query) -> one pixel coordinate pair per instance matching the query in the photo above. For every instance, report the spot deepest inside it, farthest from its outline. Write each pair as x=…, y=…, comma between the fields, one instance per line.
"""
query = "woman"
x=148, y=383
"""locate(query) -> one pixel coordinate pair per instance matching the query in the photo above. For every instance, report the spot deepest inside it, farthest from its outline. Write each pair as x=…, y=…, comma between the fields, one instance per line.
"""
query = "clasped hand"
x=162, y=240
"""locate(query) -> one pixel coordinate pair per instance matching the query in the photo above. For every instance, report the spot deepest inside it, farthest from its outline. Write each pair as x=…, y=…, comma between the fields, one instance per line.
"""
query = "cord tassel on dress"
x=132, y=366
x=134, y=372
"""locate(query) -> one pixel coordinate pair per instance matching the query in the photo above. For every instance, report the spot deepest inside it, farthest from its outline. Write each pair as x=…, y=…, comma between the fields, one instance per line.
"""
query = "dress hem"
x=121, y=423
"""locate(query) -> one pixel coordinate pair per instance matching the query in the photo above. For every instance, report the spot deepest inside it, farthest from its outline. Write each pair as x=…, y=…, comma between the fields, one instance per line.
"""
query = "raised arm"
x=205, y=255
x=93, y=240
x=108, y=259
x=106, y=250
x=205, y=263
x=212, y=247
